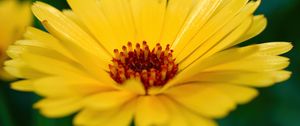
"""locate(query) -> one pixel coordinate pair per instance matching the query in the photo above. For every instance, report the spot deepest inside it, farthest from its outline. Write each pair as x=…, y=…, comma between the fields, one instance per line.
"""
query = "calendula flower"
x=14, y=17
x=156, y=62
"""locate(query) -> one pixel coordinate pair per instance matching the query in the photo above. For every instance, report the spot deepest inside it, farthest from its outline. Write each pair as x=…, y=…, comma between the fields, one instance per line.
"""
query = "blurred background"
x=278, y=105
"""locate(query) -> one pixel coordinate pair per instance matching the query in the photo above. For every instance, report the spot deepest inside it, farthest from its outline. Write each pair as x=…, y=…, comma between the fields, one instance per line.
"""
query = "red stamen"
x=117, y=54
x=152, y=68
x=125, y=50
x=129, y=45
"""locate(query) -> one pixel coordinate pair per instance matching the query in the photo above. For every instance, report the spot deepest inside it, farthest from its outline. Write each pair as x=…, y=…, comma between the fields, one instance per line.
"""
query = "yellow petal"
x=49, y=65
x=239, y=94
x=263, y=60
x=15, y=17
x=24, y=85
x=222, y=5
x=68, y=30
x=19, y=69
x=205, y=40
x=30, y=43
x=180, y=116
x=45, y=39
x=258, y=25
x=274, y=48
x=148, y=17
x=218, y=59
x=120, y=116
x=34, y=47
x=282, y=75
x=71, y=15
x=145, y=114
x=96, y=66
x=59, y=107
x=119, y=16
x=236, y=93
x=15, y=51
x=257, y=79
x=97, y=23
x=67, y=86
x=58, y=67
x=261, y=56
x=24, y=17
x=202, y=99
x=174, y=19
x=134, y=86
x=254, y=64
x=195, y=120
x=216, y=22
x=108, y=100
x=48, y=55
x=203, y=11
x=176, y=116
x=123, y=117
x=229, y=34
x=229, y=39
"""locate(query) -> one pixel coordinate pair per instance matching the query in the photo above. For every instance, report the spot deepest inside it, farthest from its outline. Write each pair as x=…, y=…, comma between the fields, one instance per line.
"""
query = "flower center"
x=152, y=67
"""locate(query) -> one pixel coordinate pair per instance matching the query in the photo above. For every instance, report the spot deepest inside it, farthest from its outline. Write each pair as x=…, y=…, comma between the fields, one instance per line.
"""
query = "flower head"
x=14, y=17
x=157, y=62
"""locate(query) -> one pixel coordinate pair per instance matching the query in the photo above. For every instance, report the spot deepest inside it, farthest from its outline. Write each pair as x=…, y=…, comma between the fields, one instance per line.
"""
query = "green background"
x=278, y=105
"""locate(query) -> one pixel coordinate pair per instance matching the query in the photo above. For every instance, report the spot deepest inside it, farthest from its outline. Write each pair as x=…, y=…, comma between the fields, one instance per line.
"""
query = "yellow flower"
x=14, y=17
x=157, y=62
